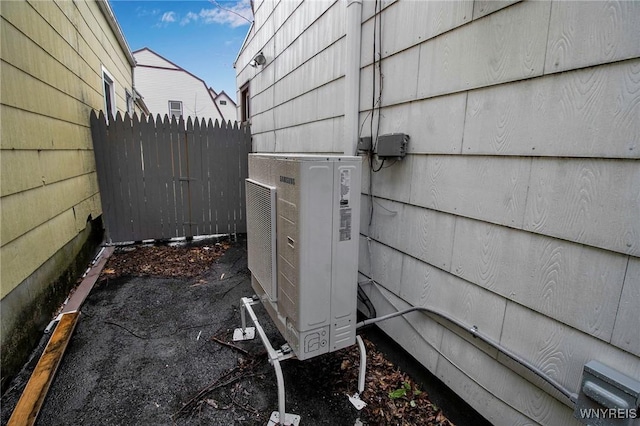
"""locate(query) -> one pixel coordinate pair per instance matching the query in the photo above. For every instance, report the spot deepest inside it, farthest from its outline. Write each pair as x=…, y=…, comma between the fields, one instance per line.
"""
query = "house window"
x=109, y=93
x=175, y=109
x=223, y=102
x=245, y=111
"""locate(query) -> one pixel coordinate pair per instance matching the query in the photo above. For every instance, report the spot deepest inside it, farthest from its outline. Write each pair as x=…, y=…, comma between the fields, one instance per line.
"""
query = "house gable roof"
x=147, y=57
x=225, y=96
x=170, y=66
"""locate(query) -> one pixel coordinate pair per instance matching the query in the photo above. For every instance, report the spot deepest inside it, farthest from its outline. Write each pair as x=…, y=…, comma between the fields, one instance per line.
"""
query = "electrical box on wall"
x=364, y=144
x=607, y=397
x=303, y=214
x=393, y=145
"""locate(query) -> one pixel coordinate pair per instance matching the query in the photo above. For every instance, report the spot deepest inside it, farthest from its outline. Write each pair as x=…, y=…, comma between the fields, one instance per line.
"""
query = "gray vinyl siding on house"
x=517, y=208
x=306, y=87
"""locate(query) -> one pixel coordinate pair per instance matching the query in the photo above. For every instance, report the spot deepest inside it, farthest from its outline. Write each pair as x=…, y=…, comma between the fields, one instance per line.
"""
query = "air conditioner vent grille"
x=261, y=227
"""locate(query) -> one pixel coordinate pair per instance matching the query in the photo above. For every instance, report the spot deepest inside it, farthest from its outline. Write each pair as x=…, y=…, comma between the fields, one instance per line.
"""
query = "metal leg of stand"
x=243, y=316
x=363, y=364
x=279, y=417
x=355, y=399
x=244, y=333
x=281, y=399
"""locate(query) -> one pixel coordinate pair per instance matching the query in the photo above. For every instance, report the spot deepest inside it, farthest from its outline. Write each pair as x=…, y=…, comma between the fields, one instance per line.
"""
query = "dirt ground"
x=153, y=347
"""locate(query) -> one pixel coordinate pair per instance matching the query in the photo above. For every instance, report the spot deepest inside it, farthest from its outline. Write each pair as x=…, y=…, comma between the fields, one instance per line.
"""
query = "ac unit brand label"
x=345, y=224
x=345, y=209
x=287, y=180
x=345, y=187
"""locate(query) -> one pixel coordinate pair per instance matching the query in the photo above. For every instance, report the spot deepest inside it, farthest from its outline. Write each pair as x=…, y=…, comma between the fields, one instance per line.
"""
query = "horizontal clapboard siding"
x=517, y=207
x=52, y=58
x=162, y=85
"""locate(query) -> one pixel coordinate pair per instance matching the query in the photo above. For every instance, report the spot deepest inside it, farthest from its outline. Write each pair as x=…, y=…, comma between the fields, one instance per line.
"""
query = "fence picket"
x=99, y=137
x=225, y=146
x=165, y=164
x=245, y=149
x=233, y=184
x=122, y=204
x=196, y=179
x=207, y=177
x=151, y=176
x=162, y=178
x=134, y=172
x=111, y=174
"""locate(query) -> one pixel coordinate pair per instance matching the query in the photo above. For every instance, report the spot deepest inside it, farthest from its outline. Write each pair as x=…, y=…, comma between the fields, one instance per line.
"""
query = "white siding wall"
x=229, y=110
x=146, y=57
x=298, y=96
x=158, y=86
x=518, y=207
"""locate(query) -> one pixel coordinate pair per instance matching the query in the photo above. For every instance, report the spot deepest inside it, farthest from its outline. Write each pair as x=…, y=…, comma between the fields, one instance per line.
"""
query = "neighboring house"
x=227, y=106
x=169, y=89
x=60, y=60
x=517, y=208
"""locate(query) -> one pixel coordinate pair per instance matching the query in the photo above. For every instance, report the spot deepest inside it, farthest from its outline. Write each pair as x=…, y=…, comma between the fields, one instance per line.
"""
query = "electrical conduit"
x=352, y=75
x=573, y=397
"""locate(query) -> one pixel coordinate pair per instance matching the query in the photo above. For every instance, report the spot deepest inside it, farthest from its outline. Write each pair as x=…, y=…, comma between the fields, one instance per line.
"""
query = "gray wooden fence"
x=162, y=178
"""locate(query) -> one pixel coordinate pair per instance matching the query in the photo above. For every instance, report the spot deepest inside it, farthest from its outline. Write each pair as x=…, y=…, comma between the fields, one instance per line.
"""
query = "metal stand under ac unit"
x=275, y=356
x=284, y=353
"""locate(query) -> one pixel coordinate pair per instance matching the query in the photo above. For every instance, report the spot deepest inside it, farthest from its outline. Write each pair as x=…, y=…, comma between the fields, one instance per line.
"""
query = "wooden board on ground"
x=30, y=402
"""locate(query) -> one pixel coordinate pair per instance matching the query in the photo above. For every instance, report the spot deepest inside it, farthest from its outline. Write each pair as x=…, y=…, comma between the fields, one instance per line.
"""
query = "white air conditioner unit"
x=303, y=214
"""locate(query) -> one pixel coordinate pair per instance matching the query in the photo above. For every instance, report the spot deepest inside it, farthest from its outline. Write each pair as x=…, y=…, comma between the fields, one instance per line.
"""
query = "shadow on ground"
x=145, y=352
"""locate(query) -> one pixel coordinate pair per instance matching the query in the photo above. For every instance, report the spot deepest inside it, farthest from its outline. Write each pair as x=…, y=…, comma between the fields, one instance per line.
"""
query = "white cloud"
x=188, y=18
x=233, y=15
x=168, y=17
x=141, y=12
x=225, y=13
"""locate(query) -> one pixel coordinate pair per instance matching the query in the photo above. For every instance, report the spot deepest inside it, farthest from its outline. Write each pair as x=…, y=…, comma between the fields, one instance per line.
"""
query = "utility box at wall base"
x=303, y=222
x=607, y=397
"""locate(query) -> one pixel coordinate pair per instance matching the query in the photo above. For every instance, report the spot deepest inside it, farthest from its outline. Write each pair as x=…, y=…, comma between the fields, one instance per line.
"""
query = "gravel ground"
x=150, y=349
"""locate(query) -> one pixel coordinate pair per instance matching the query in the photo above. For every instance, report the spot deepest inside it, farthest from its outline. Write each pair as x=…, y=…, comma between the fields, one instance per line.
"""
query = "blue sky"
x=199, y=36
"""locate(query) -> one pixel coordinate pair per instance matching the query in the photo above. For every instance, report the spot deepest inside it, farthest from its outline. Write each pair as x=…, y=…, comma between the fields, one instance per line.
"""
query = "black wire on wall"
x=376, y=105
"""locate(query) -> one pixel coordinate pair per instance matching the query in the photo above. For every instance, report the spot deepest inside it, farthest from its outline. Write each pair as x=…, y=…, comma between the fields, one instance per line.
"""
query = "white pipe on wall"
x=352, y=76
